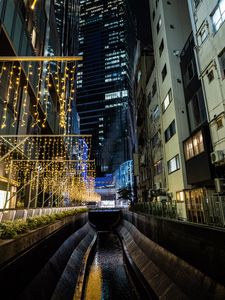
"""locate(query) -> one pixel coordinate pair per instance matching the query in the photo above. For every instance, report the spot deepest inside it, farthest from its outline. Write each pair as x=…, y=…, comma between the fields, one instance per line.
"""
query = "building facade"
x=67, y=24
x=107, y=39
x=29, y=96
x=169, y=38
x=207, y=19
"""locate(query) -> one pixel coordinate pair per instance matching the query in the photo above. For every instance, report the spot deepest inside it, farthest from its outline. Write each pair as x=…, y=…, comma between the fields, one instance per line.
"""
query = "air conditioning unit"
x=219, y=184
x=217, y=156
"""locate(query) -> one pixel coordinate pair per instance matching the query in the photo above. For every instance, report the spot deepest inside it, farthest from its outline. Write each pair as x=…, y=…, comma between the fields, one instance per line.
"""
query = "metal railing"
x=210, y=211
x=158, y=209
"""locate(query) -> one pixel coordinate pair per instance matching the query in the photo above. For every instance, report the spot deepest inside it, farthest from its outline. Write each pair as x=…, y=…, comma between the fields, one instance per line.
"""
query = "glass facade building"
x=104, y=87
x=67, y=24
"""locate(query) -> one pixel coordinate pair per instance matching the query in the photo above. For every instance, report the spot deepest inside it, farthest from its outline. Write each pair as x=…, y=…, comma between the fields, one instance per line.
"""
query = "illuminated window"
x=115, y=95
x=194, y=146
x=159, y=24
x=167, y=101
x=173, y=164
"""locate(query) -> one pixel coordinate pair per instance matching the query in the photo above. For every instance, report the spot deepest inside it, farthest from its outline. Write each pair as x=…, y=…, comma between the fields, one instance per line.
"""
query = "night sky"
x=142, y=12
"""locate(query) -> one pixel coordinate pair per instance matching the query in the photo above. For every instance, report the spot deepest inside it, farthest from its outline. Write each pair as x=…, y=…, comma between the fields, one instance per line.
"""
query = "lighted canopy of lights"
x=57, y=164
x=41, y=76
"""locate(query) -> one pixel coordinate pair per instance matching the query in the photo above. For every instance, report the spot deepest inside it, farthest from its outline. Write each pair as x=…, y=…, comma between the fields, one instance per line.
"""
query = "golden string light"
x=3, y=68
x=16, y=96
x=46, y=94
x=33, y=4
x=62, y=99
x=25, y=96
x=7, y=98
x=63, y=86
x=38, y=95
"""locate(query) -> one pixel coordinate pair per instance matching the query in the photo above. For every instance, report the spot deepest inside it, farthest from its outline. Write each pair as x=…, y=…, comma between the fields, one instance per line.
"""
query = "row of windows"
x=173, y=165
x=217, y=17
x=116, y=95
x=192, y=147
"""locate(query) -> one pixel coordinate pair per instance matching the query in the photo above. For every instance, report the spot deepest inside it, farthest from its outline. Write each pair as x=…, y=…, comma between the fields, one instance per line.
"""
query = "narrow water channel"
x=107, y=276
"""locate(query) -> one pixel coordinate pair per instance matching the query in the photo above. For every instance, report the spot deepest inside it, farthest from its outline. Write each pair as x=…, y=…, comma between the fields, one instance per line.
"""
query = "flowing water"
x=107, y=277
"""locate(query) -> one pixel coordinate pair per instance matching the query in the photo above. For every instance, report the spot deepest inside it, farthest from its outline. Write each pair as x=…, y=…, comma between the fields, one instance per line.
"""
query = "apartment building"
x=207, y=18
x=209, y=30
x=170, y=30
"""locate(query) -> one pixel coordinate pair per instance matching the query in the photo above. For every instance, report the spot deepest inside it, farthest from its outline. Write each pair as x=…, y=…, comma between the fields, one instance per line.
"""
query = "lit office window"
x=218, y=15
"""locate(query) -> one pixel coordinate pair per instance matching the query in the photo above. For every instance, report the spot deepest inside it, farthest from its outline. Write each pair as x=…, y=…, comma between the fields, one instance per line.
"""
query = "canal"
x=107, y=276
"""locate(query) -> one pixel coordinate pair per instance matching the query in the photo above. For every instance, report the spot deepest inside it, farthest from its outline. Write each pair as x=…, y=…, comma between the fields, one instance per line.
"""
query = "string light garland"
x=38, y=95
x=63, y=76
x=25, y=96
x=16, y=96
x=7, y=98
x=3, y=68
x=47, y=165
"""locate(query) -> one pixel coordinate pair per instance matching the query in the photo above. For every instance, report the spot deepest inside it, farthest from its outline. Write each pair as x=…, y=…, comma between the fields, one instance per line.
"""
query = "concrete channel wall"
x=23, y=258
x=47, y=263
x=201, y=246
x=168, y=276
x=58, y=279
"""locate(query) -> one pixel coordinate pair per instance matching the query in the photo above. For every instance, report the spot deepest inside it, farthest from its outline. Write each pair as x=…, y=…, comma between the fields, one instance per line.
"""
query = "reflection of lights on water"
x=94, y=284
x=96, y=262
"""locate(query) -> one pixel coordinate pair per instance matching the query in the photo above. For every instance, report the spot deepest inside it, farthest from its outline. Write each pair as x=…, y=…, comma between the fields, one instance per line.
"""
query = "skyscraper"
x=67, y=21
x=104, y=91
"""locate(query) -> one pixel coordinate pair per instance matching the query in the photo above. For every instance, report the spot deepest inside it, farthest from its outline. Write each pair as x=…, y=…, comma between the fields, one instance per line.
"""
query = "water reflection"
x=107, y=276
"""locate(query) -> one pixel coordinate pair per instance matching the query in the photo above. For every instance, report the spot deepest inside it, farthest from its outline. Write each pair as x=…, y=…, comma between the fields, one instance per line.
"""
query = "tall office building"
x=67, y=20
x=67, y=23
x=104, y=91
